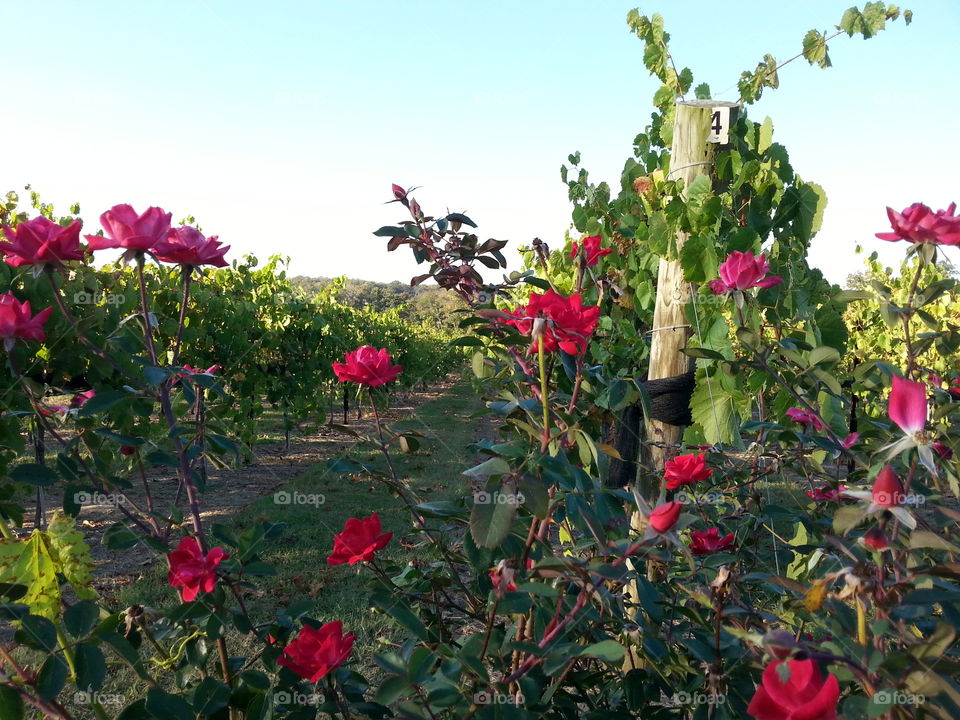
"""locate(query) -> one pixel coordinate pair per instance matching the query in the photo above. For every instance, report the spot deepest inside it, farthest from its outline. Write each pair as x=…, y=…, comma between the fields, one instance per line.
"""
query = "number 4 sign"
x=720, y=119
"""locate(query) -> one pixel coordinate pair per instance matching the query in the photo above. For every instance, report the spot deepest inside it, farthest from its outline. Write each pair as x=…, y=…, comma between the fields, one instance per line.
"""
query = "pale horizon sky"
x=281, y=127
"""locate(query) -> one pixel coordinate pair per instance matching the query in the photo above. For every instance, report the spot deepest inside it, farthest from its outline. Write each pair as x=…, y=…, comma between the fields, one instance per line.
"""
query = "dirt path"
x=229, y=490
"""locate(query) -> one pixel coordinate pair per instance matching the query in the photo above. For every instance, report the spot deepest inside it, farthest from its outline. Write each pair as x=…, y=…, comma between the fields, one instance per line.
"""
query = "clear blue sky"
x=281, y=125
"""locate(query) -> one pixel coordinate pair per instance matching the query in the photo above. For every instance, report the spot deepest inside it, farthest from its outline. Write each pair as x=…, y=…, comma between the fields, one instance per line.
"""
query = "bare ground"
x=229, y=490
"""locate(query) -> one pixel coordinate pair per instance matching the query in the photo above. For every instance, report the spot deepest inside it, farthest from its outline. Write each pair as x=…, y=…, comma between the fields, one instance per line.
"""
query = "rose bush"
x=542, y=590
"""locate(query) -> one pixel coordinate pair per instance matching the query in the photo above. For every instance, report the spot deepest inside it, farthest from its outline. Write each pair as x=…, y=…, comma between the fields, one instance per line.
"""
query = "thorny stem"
x=341, y=705
x=69, y=317
x=545, y=437
x=186, y=478
x=398, y=484
x=187, y=276
x=94, y=479
x=905, y=318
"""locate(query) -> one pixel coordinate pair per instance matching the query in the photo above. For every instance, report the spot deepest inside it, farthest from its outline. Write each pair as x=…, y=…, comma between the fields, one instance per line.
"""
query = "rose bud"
x=665, y=516
x=887, y=489
x=876, y=539
x=942, y=450
x=399, y=193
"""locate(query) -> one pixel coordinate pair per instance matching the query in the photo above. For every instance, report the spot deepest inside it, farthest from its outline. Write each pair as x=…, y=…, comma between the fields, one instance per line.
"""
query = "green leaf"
x=698, y=258
x=153, y=375
x=390, y=231
x=210, y=696
x=822, y=355
x=716, y=410
x=134, y=711
x=392, y=689
x=537, y=282
x=52, y=677
x=460, y=218
x=493, y=466
x=119, y=537
x=37, y=632
x=926, y=539
x=846, y=296
x=80, y=618
x=164, y=706
x=101, y=402
x=11, y=706
x=608, y=650
x=91, y=667
x=535, y=497
x=490, y=521
x=402, y=613
x=815, y=49
x=704, y=353
x=29, y=562
x=766, y=135
x=846, y=518
x=33, y=474
x=702, y=91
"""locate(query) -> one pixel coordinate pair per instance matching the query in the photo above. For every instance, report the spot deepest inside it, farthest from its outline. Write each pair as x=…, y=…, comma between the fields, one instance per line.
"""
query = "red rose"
x=127, y=450
x=804, y=696
x=826, y=492
x=17, y=322
x=81, y=399
x=190, y=370
x=399, y=193
x=907, y=406
x=705, y=543
x=665, y=516
x=887, y=489
x=954, y=388
x=568, y=325
x=876, y=539
x=591, y=250
x=42, y=242
x=186, y=245
x=367, y=366
x=192, y=571
x=805, y=417
x=685, y=470
x=502, y=577
x=741, y=271
x=850, y=440
x=359, y=541
x=919, y=224
x=126, y=229
x=317, y=651
x=942, y=450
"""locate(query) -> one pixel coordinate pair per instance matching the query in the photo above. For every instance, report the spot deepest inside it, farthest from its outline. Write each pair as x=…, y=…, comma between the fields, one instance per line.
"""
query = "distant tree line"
x=425, y=303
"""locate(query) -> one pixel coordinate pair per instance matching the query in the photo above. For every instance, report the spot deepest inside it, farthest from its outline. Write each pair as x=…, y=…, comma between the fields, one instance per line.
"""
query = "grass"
x=299, y=556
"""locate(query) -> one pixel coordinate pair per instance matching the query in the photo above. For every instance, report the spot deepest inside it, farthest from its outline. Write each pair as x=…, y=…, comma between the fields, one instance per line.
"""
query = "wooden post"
x=691, y=155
